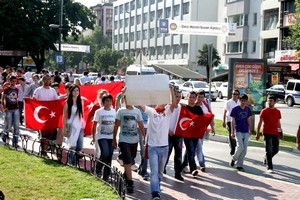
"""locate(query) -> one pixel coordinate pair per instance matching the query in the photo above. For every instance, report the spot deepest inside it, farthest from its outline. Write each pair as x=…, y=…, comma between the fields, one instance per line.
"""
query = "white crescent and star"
x=183, y=120
x=36, y=114
x=90, y=105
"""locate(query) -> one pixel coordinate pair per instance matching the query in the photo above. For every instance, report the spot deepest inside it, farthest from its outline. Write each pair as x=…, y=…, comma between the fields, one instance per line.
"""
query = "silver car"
x=189, y=86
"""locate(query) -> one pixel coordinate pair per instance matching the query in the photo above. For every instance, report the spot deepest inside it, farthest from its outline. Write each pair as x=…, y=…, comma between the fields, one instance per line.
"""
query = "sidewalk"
x=221, y=181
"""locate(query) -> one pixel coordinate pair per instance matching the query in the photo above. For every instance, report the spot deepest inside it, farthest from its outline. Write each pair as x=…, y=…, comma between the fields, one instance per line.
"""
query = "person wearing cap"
x=23, y=92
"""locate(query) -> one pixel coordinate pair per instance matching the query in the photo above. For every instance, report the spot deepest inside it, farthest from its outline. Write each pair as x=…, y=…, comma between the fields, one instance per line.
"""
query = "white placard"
x=147, y=89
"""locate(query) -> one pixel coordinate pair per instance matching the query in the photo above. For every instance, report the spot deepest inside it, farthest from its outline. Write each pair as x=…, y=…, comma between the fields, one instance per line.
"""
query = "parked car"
x=277, y=90
x=216, y=84
x=223, y=90
x=177, y=82
x=292, y=93
x=189, y=86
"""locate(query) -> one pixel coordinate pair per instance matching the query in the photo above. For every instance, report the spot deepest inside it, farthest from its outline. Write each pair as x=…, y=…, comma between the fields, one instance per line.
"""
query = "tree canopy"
x=294, y=36
x=203, y=58
x=24, y=25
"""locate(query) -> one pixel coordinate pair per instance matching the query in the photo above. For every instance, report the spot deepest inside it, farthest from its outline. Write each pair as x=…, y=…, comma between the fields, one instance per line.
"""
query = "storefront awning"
x=294, y=66
x=180, y=72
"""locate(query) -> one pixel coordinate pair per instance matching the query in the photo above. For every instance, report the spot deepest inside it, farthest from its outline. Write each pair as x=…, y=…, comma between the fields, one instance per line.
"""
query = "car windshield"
x=200, y=85
x=179, y=82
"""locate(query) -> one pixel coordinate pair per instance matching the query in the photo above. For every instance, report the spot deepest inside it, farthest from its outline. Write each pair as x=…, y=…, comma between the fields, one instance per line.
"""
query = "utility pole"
x=210, y=58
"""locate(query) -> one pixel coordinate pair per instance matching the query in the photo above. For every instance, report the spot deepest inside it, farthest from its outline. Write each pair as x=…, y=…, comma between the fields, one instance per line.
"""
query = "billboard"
x=249, y=73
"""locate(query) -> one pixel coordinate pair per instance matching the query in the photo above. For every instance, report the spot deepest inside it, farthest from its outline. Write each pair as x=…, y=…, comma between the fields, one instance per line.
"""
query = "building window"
x=185, y=8
x=152, y=2
x=138, y=4
x=234, y=47
x=145, y=34
x=138, y=19
x=145, y=17
x=116, y=10
x=131, y=36
x=132, y=5
x=253, y=47
x=121, y=9
x=152, y=51
x=145, y=2
x=121, y=38
x=138, y=35
x=116, y=39
x=185, y=48
x=131, y=21
x=270, y=19
x=121, y=23
x=238, y=19
x=159, y=1
x=126, y=37
x=177, y=49
x=254, y=19
x=159, y=14
x=159, y=51
x=126, y=22
x=158, y=34
x=151, y=33
x=245, y=47
x=152, y=16
x=168, y=12
x=116, y=25
x=246, y=20
x=168, y=50
x=176, y=10
x=127, y=7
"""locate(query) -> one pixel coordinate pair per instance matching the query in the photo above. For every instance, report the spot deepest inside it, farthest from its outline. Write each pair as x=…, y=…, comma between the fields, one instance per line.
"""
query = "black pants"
x=232, y=141
x=272, y=148
x=176, y=142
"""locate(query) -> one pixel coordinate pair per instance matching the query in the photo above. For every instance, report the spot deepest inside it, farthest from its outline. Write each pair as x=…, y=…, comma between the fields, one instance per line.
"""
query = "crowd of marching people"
x=154, y=128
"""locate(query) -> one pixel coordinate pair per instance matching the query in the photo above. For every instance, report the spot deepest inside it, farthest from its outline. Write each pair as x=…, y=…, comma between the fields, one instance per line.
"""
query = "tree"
x=294, y=36
x=24, y=25
x=203, y=58
x=106, y=57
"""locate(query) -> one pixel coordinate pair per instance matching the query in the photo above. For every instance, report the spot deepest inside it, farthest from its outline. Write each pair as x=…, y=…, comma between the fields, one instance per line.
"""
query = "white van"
x=140, y=70
x=292, y=93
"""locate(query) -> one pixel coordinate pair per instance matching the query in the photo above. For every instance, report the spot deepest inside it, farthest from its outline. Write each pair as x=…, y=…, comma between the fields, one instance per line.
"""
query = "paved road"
x=290, y=115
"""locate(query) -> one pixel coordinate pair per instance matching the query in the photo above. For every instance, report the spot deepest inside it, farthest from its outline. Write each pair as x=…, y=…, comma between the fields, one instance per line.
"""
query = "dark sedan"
x=277, y=90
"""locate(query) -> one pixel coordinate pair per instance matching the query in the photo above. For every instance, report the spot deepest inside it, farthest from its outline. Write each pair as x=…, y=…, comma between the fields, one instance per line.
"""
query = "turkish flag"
x=89, y=96
x=190, y=125
x=43, y=115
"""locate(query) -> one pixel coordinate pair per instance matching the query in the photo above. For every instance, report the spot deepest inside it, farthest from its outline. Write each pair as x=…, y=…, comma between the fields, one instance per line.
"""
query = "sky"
x=89, y=3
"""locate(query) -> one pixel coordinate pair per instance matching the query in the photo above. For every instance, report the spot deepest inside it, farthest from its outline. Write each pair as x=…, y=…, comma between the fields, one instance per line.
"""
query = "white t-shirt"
x=158, y=126
x=204, y=108
x=174, y=118
x=106, y=121
x=229, y=105
x=45, y=94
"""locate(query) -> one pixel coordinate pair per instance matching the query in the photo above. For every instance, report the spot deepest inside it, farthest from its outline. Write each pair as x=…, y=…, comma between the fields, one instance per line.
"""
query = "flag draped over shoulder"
x=43, y=115
x=89, y=96
x=190, y=125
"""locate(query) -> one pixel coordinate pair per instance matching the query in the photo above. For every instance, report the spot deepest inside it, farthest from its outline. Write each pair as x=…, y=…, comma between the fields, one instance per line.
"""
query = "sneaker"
x=195, y=173
x=202, y=169
x=179, y=177
x=186, y=169
x=241, y=169
x=129, y=186
x=134, y=168
x=231, y=163
x=270, y=171
x=155, y=196
x=120, y=161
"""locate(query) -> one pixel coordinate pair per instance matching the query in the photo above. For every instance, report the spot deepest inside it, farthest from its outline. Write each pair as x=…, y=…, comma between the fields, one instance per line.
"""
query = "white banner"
x=74, y=48
x=201, y=28
x=147, y=89
x=286, y=56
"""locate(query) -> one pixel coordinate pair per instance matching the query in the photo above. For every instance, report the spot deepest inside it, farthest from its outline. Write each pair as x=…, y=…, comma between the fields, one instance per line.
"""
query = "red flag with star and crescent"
x=43, y=115
x=190, y=125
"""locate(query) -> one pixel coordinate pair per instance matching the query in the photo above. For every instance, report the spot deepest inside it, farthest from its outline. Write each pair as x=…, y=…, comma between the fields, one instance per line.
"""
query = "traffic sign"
x=59, y=59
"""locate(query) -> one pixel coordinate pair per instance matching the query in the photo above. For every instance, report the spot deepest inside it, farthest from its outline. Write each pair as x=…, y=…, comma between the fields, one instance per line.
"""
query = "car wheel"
x=213, y=99
x=220, y=95
x=290, y=102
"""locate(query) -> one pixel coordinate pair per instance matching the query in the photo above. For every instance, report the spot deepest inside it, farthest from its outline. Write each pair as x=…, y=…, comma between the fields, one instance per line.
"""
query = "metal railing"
x=84, y=162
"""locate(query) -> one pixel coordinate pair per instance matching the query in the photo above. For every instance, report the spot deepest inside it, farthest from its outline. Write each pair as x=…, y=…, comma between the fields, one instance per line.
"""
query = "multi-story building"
x=104, y=14
x=136, y=28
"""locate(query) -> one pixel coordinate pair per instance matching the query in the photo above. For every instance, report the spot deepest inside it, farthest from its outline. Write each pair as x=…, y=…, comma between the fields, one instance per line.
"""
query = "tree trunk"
x=39, y=59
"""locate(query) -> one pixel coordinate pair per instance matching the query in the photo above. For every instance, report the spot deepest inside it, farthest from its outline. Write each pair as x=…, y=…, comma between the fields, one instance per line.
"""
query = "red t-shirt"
x=270, y=118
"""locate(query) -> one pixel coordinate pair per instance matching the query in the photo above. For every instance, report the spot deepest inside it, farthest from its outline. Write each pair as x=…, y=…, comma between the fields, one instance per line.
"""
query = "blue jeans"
x=190, y=144
x=272, y=148
x=105, y=157
x=200, y=154
x=242, y=145
x=75, y=149
x=157, y=160
x=13, y=120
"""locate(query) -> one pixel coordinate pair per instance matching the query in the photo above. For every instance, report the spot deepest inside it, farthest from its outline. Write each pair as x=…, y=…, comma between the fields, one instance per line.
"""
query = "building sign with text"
x=249, y=73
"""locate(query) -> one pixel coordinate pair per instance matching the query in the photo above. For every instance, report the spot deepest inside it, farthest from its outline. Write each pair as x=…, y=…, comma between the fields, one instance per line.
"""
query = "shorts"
x=128, y=152
x=49, y=134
